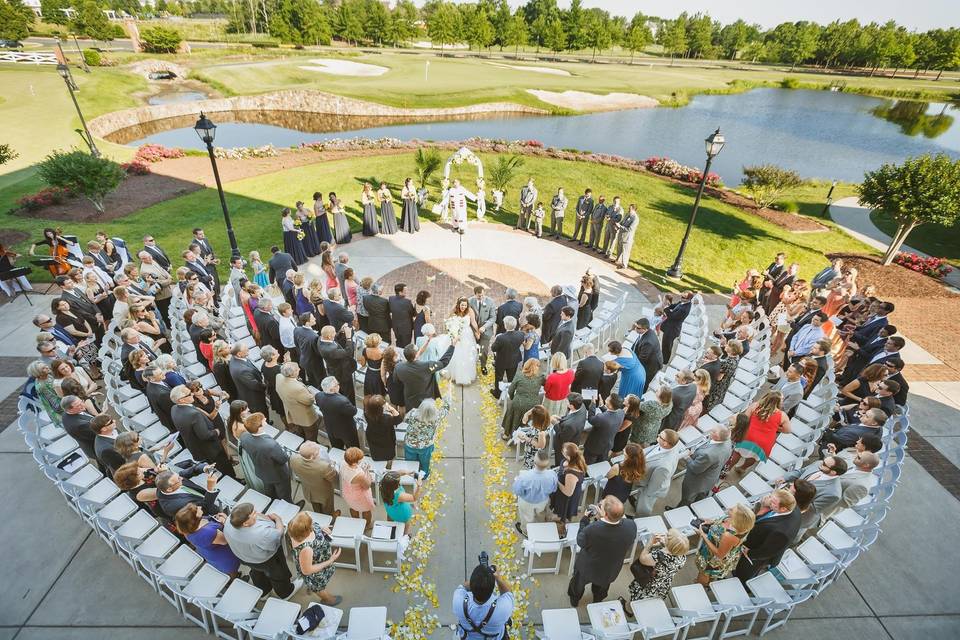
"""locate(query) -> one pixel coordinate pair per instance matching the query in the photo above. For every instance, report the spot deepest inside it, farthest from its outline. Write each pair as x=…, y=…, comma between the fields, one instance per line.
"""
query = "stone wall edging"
x=302, y=100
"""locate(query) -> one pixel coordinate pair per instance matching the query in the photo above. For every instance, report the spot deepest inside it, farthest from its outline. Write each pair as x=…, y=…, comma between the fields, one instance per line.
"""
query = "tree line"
x=542, y=24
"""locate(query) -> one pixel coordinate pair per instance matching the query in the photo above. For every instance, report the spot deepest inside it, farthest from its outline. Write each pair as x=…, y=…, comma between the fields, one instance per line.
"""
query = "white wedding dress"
x=463, y=365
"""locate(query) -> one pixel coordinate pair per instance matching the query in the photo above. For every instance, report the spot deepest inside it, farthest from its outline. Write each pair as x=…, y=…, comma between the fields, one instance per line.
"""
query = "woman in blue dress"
x=259, y=270
x=310, y=242
x=292, y=243
x=388, y=219
x=632, y=374
x=369, y=203
x=323, y=220
x=531, y=337
x=300, y=295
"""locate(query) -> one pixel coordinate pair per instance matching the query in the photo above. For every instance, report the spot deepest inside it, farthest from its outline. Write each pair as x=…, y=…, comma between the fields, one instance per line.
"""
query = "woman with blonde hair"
x=314, y=556
x=665, y=555
x=723, y=543
x=524, y=394
x=766, y=421
x=700, y=377
x=556, y=387
x=355, y=482
x=221, y=367
x=372, y=358
x=623, y=475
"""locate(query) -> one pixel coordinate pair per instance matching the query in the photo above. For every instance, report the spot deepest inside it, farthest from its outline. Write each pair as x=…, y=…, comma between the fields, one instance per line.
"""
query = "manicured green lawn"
x=725, y=241
x=934, y=239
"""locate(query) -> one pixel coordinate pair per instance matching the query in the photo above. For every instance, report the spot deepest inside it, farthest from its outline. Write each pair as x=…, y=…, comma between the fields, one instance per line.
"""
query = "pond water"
x=817, y=133
x=169, y=97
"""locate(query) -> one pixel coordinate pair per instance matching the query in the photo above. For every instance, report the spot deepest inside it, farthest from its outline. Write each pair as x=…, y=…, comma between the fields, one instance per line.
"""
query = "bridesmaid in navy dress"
x=387, y=216
x=310, y=242
x=410, y=218
x=368, y=201
x=341, y=228
x=323, y=220
x=291, y=240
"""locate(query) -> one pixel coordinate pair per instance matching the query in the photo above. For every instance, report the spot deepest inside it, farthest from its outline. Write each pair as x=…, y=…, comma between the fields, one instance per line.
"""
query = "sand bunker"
x=583, y=101
x=344, y=68
x=518, y=67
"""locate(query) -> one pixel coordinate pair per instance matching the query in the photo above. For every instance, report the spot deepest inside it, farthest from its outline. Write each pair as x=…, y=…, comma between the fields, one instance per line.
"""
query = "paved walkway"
x=855, y=220
x=61, y=581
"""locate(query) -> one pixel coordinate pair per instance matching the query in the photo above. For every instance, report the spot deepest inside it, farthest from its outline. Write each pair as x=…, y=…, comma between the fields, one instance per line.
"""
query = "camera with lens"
x=485, y=562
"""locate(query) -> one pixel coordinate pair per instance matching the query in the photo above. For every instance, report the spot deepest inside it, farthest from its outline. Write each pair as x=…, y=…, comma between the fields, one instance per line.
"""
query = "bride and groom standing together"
x=470, y=328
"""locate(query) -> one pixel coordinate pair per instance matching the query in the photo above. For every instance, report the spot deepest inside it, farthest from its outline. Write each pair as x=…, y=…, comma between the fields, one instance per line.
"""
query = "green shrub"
x=790, y=83
x=82, y=174
x=266, y=44
x=118, y=31
x=92, y=57
x=767, y=182
x=790, y=206
x=160, y=40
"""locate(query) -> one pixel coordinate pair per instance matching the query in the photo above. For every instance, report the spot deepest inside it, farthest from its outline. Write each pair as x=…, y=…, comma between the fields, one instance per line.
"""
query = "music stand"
x=45, y=263
x=11, y=276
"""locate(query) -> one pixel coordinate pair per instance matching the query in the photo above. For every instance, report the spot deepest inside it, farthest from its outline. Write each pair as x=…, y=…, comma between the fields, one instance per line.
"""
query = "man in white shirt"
x=857, y=481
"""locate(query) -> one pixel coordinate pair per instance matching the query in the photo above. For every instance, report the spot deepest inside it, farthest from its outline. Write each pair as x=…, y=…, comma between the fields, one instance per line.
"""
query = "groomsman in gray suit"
x=486, y=312
x=583, y=212
x=597, y=217
x=704, y=465
x=558, y=206
x=528, y=198
x=614, y=216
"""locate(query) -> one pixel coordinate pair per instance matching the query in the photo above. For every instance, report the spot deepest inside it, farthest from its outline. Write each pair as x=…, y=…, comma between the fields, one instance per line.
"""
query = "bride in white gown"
x=463, y=323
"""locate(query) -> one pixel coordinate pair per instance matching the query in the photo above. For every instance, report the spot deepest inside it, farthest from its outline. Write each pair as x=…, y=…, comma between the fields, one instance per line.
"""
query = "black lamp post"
x=714, y=143
x=207, y=132
x=64, y=72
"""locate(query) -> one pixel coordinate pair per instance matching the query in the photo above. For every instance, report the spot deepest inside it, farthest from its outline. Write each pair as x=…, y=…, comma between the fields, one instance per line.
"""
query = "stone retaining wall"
x=316, y=102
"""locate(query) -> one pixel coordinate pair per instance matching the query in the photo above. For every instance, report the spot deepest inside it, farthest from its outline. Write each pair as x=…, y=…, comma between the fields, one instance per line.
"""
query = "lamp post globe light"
x=64, y=72
x=714, y=144
x=208, y=132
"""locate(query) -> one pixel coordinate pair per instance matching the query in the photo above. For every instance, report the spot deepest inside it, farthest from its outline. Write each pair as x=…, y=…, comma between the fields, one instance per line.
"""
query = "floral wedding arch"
x=461, y=156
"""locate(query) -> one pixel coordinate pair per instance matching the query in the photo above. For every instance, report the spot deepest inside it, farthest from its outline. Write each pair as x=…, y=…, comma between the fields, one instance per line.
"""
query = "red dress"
x=557, y=385
x=206, y=349
x=761, y=436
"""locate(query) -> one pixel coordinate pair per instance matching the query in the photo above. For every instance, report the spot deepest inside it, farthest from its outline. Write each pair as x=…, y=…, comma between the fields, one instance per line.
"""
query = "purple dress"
x=219, y=555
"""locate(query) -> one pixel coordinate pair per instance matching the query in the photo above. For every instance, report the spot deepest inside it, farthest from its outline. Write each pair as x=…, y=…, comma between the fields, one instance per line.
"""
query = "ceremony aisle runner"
x=420, y=619
x=502, y=504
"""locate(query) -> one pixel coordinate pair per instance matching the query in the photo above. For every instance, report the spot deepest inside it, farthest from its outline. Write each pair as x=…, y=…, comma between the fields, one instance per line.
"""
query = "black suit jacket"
x=713, y=368
x=869, y=330
x=250, y=386
x=338, y=359
x=674, y=314
x=199, y=435
x=378, y=315
x=588, y=374
x=568, y=429
x=108, y=456
x=269, y=328
x=603, y=546
x=401, y=316
x=170, y=503
x=338, y=415
x=269, y=459
x=159, y=256
x=418, y=378
x=311, y=361
x=901, y=396
x=158, y=394
x=337, y=314
x=508, y=308
x=508, y=349
x=550, y=319
x=279, y=264
x=563, y=339
x=605, y=426
x=286, y=287
x=77, y=427
x=648, y=351
x=202, y=273
x=766, y=542
x=82, y=307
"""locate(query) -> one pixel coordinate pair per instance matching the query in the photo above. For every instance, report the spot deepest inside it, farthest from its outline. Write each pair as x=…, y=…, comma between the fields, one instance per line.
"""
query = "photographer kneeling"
x=479, y=614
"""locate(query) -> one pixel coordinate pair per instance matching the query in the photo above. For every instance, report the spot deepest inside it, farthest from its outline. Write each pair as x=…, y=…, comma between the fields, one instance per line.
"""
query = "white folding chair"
x=155, y=548
x=542, y=538
x=731, y=595
x=366, y=623
x=389, y=546
x=206, y=584
x=562, y=624
x=175, y=570
x=609, y=622
x=692, y=602
x=655, y=621
x=275, y=619
x=235, y=605
x=779, y=601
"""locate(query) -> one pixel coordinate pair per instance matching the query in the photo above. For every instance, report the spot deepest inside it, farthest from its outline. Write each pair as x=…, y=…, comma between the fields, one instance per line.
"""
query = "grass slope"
x=933, y=239
x=725, y=241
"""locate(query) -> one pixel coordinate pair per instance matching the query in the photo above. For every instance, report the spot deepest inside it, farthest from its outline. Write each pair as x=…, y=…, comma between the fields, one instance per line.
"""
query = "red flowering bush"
x=536, y=144
x=933, y=267
x=672, y=169
x=155, y=153
x=136, y=168
x=44, y=198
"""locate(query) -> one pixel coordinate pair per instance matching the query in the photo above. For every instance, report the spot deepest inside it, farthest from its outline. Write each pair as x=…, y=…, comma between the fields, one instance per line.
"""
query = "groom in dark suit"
x=418, y=376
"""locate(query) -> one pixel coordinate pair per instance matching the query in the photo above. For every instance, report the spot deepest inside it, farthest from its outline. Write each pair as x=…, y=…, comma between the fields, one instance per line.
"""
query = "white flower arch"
x=463, y=155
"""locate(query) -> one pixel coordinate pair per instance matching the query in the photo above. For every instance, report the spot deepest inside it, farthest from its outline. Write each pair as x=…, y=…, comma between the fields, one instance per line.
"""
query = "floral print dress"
x=718, y=568
x=666, y=565
x=321, y=552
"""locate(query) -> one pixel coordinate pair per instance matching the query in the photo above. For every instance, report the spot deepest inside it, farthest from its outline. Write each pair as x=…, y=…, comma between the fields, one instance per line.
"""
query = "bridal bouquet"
x=454, y=327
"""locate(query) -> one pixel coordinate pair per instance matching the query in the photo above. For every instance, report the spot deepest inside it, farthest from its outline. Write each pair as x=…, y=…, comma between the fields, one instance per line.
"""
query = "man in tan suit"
x=153, y=273
x=303, y=417
x=317, y=476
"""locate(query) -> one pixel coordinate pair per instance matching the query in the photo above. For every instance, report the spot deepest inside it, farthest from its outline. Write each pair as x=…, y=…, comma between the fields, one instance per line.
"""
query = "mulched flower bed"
x=894, y=281
x=10, y=237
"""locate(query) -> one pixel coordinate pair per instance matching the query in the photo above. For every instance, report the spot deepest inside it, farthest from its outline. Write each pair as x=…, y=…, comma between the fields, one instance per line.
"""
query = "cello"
x=58, y=251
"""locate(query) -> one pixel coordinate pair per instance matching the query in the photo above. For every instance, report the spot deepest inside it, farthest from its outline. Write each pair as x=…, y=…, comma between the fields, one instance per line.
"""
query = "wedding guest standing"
x=388, y=219
x=410, y=218
x=583, y=212
x=311, y=243
x=322, y=219
x=341, y=228
x=291, y=238
x=315, y=556
x=558, y=207
x=368, y=202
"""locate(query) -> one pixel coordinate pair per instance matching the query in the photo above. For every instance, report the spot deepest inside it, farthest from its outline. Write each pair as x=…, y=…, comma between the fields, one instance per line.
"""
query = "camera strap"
x=477, y=628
